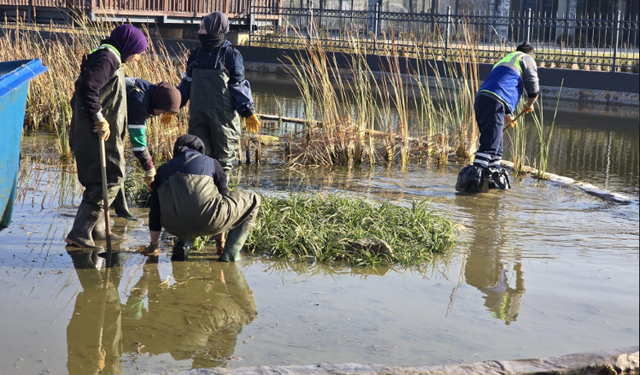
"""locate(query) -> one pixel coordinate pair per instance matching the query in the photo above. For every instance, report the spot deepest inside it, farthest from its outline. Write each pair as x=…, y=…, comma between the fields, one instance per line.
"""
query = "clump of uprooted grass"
x=324, y=228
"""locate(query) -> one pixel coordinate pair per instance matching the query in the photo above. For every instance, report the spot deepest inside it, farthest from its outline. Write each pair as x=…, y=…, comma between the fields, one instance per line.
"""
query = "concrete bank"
x=601, y=92
x=609, y=362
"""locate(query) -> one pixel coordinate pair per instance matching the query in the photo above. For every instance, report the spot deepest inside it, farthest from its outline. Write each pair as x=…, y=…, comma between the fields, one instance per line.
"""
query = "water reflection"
x=94, y=334
x=196, y=314
x=492, y=266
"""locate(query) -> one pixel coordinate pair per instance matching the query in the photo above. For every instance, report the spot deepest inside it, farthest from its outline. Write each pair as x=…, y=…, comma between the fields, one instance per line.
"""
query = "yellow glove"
x=166, y=119
x=253, y=124
x=102, y=128
x=149, y=176
x=527, y=109
x=509, y=121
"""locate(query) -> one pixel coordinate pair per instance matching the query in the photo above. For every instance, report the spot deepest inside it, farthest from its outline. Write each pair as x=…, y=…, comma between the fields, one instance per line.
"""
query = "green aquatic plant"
x=327, y=229
x=519, y=145
x=544, y=140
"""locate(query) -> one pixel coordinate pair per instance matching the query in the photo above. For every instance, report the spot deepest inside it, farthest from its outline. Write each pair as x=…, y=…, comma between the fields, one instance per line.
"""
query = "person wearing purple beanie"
x=99, y=106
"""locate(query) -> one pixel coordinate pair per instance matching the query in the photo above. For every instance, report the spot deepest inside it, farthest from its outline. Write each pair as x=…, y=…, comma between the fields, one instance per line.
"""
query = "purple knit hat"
x=128, y=40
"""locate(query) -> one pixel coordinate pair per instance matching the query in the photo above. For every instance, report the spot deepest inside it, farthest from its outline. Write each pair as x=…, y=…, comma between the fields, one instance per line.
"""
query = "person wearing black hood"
x=99, y=106
x=190, y=198
x=219, y=93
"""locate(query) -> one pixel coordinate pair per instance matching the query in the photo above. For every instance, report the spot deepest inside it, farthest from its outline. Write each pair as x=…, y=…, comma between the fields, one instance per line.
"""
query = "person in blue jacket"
x=495, y=105
x=145, y=100
x=219, y=93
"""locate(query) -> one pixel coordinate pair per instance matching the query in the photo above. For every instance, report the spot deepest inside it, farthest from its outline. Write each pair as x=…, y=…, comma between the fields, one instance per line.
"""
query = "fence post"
x=251, y=21
x=616, y=40
x=447, y=32
x=375, y=28
x=528, y=32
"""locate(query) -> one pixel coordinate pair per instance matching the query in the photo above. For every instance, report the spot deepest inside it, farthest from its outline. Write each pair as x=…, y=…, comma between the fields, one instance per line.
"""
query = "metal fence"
x=597, y=42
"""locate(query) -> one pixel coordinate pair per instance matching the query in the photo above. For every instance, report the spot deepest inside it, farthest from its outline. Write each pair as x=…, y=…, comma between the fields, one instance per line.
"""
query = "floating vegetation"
x=328, y=228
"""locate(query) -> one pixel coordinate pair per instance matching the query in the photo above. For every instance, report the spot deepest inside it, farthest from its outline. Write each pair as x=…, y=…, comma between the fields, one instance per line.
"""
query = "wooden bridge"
x=171, y=12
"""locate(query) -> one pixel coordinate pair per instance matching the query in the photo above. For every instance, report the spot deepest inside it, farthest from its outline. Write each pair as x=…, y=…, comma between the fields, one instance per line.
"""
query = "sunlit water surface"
x=539, y=271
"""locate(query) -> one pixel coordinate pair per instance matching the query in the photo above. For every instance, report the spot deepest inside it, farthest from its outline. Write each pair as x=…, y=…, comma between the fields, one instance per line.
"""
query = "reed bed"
x=357, y=115
x=323, y=229
x=353, y=115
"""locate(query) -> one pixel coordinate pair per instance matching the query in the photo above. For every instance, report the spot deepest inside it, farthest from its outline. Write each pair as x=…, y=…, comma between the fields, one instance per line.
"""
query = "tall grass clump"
x=544, y=140
x=519, y=145
x=357, y=115
x=324, y=229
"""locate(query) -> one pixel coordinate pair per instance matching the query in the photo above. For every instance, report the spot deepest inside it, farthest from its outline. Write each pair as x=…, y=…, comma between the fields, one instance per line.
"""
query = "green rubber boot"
x=235, y=241
x=120, y=206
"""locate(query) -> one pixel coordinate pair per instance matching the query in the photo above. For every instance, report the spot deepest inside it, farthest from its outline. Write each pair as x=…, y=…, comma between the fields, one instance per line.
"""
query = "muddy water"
x=539, y=271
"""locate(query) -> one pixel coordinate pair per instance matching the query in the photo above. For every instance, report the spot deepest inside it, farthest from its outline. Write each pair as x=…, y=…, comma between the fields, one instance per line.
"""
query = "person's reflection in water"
x=94, y=334
x=491, y=257
x=197, y=316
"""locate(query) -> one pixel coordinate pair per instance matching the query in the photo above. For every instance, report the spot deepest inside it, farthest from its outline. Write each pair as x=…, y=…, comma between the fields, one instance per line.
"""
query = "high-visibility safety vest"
x=505, y=80
x=110, y=48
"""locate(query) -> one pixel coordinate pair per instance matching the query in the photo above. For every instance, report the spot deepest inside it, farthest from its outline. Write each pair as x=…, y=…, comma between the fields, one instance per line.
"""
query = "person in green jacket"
x=99, y=106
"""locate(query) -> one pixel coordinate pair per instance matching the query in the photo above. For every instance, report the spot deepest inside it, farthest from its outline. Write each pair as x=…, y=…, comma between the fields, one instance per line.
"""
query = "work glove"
x=166, y=119
x=150, y=249
x=527, y=109
x=253, y=124
x=102, y=128
x=149, y=176
x=509, y=121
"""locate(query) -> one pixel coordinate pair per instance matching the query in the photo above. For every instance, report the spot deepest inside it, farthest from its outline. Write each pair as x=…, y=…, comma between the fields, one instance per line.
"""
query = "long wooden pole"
x=105, y=196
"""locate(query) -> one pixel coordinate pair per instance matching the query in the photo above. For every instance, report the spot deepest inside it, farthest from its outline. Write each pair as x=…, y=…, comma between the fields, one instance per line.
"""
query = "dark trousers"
x=490, y=114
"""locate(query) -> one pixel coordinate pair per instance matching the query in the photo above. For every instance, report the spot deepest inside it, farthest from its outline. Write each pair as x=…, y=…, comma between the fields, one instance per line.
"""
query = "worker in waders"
x=190, y=198
x=145, y=100
x=219, y=93
x=495, y=105
x=99, y=106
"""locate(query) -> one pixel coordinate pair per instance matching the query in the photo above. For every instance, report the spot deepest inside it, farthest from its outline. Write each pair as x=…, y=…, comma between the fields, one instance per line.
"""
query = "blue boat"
x=14, y=87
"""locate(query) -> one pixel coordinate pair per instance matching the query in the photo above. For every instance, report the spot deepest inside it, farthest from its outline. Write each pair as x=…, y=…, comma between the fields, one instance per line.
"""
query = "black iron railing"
x=595, y=42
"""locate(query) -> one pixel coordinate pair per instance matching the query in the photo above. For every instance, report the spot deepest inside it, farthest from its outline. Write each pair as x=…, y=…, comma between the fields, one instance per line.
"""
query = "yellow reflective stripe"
x=509, y=59
x=111, y=48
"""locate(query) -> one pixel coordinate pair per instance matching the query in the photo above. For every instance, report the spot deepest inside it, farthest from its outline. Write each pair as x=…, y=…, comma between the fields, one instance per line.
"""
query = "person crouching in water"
x=495, y=105
x=190, y=198
x=219, y=92
x=99, y=106
x=145, y=100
